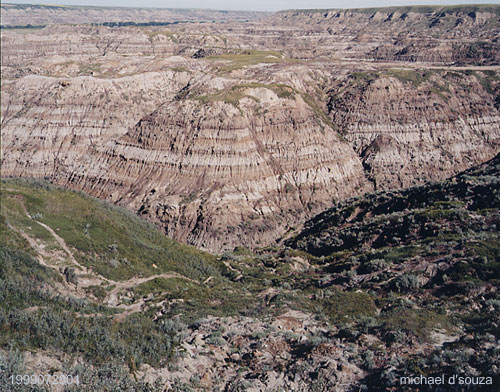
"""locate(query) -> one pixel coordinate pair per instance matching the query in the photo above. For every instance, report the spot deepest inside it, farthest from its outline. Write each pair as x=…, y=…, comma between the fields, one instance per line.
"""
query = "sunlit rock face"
x=233, y=133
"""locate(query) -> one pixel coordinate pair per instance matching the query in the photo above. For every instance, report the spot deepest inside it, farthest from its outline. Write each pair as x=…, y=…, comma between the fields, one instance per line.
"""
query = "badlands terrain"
x=273, y=119
x=198, y=200
x=19, y=15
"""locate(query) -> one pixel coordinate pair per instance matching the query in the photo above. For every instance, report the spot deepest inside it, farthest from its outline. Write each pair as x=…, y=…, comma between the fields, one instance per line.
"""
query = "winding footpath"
x=91, y=278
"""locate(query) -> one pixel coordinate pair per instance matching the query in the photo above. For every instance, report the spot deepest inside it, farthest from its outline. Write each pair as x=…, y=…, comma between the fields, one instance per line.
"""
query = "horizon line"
x=262, y=12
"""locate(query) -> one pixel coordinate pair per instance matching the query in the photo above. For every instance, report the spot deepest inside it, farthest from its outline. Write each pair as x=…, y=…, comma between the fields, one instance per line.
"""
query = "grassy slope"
x=246, y=58
x=117, y=244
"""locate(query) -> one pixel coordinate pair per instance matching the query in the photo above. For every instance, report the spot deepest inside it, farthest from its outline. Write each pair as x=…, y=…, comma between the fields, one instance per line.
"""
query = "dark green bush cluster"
x=392, y=218
x=137, y=340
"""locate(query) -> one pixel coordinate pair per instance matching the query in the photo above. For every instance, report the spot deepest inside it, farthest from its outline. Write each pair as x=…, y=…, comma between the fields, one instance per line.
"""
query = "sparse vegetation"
x=234, y=94
x=246, y=58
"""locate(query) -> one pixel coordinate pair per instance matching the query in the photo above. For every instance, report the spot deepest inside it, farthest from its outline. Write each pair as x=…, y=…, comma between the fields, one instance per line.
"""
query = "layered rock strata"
x=234, y=133
x=217, y=174
x=412, y=126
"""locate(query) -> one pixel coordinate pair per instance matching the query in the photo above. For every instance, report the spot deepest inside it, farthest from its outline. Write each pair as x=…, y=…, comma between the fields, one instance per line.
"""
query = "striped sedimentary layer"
x=217, y=174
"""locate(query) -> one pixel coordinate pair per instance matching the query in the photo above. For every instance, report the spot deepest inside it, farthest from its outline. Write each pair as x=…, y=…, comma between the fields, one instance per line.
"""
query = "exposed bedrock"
x=233, y=133
x=419, y=125
x=216, y=174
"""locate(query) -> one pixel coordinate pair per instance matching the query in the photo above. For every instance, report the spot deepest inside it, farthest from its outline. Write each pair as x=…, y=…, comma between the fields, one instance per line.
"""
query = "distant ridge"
x=410, y=8
x=41, y=15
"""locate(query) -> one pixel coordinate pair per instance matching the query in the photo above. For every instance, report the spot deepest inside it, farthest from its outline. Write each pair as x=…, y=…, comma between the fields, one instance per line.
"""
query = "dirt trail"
x=62, y=243
x=65, y=289
x=36, y=246
x=113, y=300
x=91, y=277
x=112, y=297
x=137, y=281
x=56, y=237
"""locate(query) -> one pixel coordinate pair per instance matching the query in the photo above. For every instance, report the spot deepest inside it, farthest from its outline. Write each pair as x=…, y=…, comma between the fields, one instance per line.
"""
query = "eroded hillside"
x=272, y=120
